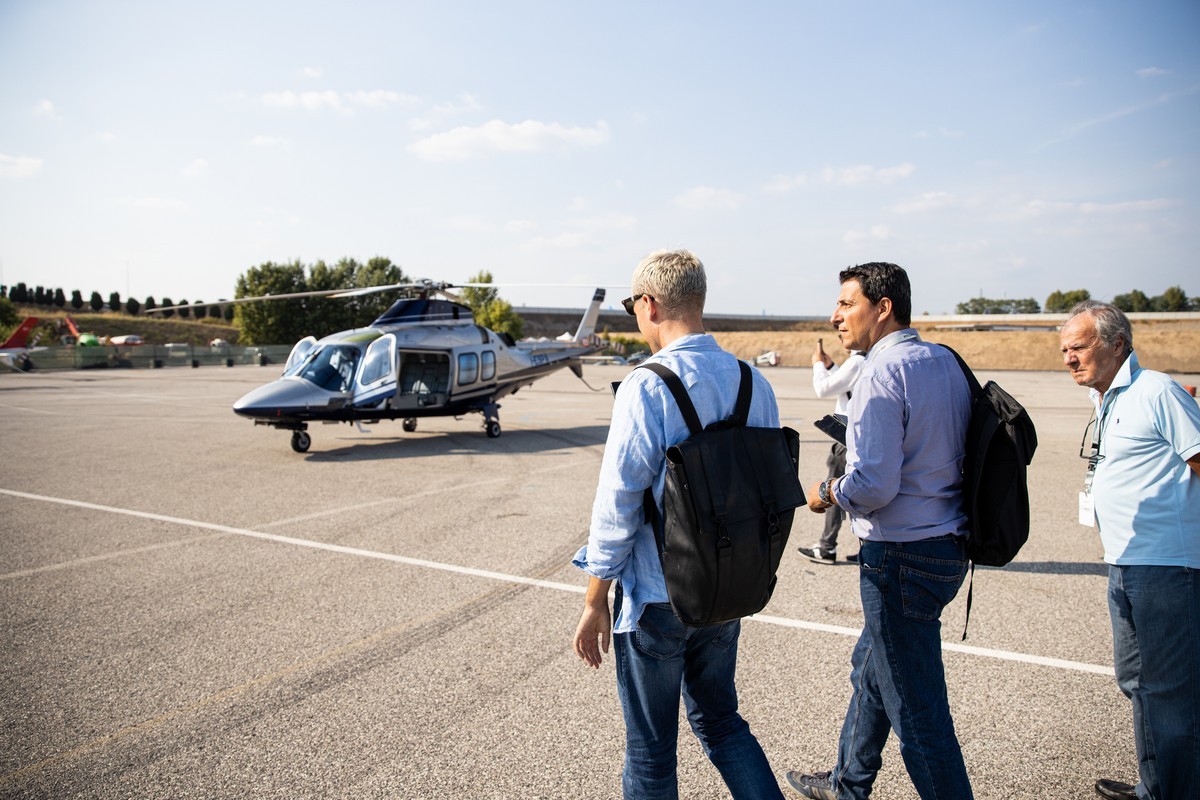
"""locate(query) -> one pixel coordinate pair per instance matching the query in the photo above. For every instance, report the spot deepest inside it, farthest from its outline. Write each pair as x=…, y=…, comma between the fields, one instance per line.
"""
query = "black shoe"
x=852, y=558
x=817, y=786
x=1115, y=790
x=815, y=553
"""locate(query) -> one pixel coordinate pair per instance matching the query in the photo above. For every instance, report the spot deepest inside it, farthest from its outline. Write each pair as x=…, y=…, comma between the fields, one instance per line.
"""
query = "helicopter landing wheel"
x=492, y=426
x=409, y=424
x=301, y=441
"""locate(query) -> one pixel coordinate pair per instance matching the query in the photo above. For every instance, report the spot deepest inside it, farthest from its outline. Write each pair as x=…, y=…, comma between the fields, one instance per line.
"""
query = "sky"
x=999, y=149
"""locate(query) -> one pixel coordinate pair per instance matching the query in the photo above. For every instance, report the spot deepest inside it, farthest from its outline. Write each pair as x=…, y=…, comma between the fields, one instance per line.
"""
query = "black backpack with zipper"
x=731, y=494
x=1001, y=440
x=1000, y=444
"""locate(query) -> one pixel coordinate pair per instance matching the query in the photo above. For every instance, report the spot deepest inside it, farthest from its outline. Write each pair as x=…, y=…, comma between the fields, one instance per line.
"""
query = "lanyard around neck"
x=899, y=338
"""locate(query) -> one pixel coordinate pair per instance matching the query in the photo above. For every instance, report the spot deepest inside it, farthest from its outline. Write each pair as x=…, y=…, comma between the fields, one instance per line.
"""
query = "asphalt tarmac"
x=190, y=609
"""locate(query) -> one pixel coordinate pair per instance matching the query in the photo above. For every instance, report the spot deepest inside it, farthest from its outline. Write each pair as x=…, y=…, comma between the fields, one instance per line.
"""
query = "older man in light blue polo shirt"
x=1142, y=492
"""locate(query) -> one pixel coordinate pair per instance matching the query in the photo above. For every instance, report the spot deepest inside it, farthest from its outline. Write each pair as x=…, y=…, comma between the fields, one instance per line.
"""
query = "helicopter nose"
x=279, y=398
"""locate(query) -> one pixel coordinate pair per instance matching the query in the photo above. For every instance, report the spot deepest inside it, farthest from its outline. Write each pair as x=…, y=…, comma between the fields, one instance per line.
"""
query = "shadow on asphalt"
x=474, y=443
x=1056, y=567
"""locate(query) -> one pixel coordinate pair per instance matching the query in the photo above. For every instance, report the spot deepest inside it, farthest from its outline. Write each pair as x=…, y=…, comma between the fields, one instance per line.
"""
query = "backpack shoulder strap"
x=679, y=391
x=741, y=409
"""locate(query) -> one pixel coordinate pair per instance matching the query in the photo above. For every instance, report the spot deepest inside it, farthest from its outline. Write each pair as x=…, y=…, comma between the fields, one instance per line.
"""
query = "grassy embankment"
x=152, y=329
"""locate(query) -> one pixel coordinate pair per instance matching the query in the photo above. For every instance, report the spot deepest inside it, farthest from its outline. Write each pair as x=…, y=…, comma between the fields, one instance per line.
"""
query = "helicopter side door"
x=424, y=379
x=377, y=376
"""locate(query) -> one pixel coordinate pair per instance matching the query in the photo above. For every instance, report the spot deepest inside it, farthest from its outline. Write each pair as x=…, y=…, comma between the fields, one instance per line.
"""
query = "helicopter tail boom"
x=587, y=325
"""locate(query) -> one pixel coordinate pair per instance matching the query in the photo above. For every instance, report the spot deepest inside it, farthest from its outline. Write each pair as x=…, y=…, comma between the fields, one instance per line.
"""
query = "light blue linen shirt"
x=1147, y=497
x=905, y=442
x=645, y=422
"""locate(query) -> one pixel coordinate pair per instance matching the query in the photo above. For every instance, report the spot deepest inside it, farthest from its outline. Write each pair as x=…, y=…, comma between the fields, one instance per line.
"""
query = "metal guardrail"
x=147, y=356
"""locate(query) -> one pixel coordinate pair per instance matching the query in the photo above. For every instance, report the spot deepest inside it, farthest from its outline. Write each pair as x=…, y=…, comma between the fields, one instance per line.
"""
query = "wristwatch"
x=823, y=491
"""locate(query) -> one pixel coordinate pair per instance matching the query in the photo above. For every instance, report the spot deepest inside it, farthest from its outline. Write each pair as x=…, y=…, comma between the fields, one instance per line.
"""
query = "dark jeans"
x=654, y=663
x=833, y=515
x=1156, y=654
x=896, y=670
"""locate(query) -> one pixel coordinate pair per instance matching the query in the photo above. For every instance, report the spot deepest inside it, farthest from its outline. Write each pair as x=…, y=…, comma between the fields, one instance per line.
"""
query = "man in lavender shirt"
x=905, y=441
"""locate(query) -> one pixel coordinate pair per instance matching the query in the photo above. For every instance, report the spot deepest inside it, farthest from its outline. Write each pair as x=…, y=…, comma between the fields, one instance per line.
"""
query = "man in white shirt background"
x=830, y=380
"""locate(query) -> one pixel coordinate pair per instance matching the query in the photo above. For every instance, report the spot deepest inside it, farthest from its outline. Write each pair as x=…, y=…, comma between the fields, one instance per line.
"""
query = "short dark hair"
x=880, y=279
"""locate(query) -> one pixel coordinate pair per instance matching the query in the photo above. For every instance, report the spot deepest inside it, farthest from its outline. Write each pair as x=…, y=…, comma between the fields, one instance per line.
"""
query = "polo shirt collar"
x=1123, y=378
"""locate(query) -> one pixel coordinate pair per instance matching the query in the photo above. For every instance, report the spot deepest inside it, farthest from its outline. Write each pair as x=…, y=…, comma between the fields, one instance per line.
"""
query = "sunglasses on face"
x=629, y=302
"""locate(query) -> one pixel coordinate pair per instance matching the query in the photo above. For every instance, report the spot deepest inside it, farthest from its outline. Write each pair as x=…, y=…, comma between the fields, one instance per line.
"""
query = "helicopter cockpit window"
x=331, y=367
x=489, y=366
x=468, y=368
x=376, y=366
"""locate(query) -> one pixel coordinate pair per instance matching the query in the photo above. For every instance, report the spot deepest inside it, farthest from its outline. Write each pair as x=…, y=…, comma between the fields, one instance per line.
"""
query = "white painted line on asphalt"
x=987, y=652
x=332, y=548
x=1004, y=655
x=133, y=551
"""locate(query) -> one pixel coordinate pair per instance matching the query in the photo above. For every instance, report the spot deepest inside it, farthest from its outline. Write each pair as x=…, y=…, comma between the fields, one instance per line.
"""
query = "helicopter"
x=423, y=357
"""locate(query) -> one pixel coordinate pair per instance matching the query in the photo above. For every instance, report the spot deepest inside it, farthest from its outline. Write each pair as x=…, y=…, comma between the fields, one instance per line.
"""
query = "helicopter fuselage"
x=434, y=361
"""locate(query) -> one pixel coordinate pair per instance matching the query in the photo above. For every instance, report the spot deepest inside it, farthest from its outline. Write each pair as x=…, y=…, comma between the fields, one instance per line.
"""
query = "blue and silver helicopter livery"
x=423, y=357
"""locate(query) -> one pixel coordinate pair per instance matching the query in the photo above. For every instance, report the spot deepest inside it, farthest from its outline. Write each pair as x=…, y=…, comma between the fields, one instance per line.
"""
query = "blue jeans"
x=1156, y=654
x=653, y=663
x=896, y=670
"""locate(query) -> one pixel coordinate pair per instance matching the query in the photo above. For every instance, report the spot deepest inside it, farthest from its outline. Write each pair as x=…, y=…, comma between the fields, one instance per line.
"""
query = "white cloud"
x=865, y=173
x=925, y=203
x=310, y=101
x=967, y=248
x=152, y=203
x=1164, y=164
x=940, y=133
x=582, y=232
x=195, y=169
x=1119, y=113
x=876, y=233
x=1043, y=208
x=18, y=166
x=378, y=98
x=46, y=109
x=329, y=100
x=706, y=198
x=1151, y=72
x=521, y=227
x=466, y=104
x=564, y=241
x=785, y=183
x=1128, y=207
x=496, y=136
x=268, y=141
x=309, y=72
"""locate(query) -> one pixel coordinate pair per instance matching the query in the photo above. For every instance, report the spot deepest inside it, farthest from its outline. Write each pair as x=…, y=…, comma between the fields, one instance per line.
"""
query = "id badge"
x=1087, y=510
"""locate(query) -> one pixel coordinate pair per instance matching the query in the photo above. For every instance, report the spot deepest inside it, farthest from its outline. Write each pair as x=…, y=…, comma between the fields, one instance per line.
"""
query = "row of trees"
x=286, y=321
x=293, y=319
x=1173, y=299
x=56, y=298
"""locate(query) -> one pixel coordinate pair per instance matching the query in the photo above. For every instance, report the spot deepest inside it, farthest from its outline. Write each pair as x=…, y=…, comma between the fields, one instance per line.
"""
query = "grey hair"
x=1111, y=323
x=675, y=279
